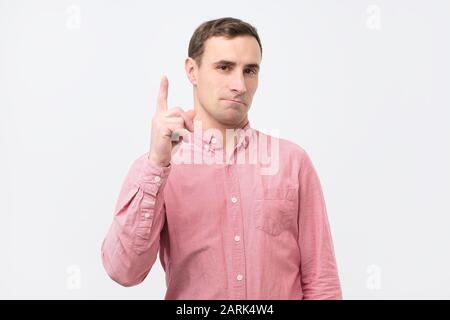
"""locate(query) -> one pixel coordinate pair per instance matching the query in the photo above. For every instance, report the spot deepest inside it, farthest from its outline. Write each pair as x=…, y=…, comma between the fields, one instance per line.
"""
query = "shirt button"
x=237, y=238
x=233, y=199
x=239, y=277
x=157, y=178
x=213, y=140
x=147, y=215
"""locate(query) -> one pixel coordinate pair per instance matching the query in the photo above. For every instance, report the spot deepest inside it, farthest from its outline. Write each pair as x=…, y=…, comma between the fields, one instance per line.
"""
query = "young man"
x=234, y=213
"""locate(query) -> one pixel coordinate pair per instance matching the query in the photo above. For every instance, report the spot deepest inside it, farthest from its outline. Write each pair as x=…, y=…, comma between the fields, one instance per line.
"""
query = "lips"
x=237, y=101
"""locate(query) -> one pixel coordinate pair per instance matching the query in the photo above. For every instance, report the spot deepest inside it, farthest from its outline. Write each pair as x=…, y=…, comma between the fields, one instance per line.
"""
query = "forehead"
x=241, y=49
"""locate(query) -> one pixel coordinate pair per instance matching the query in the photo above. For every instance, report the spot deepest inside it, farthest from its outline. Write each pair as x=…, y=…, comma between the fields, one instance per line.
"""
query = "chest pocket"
x=275, y=209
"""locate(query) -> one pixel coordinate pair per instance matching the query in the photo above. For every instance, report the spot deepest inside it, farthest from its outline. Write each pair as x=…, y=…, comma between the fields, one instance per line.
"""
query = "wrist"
x=157, y=162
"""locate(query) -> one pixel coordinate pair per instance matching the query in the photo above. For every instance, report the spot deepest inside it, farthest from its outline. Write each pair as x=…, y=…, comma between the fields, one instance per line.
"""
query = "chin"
x=232, y=118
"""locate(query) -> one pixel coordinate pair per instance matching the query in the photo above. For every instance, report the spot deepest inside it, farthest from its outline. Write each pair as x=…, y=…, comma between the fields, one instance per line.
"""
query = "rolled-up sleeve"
x=130, y=247
x=318, y=266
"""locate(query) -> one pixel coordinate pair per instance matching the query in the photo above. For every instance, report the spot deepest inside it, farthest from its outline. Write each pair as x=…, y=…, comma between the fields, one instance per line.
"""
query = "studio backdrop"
x=362, y=86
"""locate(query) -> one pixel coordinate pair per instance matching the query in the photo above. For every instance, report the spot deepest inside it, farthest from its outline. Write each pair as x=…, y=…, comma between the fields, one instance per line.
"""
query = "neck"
x=207, y=122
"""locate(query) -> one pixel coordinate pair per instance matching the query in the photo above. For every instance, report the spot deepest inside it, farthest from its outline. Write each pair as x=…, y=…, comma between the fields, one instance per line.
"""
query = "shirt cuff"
x=152, y=177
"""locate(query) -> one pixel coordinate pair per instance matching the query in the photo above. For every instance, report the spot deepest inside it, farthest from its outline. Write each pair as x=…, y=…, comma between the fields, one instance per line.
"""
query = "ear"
x=191, y=70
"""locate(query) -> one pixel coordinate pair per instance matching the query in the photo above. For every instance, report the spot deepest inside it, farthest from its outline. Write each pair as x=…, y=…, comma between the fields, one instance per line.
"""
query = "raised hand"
x=168, y=127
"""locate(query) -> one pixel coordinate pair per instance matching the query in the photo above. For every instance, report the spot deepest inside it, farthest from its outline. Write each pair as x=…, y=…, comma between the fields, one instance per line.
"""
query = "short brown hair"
x=226, y=27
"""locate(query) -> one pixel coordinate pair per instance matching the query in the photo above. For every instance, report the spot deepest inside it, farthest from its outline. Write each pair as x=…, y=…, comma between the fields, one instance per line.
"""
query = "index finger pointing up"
x=162, y=96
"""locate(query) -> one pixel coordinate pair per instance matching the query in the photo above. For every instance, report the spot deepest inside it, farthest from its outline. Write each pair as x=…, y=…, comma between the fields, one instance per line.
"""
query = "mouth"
x=235, y=101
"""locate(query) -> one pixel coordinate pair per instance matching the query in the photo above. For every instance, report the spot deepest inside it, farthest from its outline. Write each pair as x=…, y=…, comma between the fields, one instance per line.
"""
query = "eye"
x=223, y=68
x=252, y=71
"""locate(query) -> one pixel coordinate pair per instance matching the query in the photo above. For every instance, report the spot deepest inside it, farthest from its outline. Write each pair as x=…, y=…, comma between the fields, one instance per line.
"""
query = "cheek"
x=253, y=85
x=209, y=94
x=211, y=89
x=206, y=86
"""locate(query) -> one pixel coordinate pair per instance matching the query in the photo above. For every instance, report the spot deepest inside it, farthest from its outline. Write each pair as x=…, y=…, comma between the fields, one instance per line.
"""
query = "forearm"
x=318, y=266
x=130, y=247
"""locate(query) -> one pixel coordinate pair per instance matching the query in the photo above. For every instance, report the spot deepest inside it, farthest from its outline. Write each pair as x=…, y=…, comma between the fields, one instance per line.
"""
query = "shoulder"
x=287, y=149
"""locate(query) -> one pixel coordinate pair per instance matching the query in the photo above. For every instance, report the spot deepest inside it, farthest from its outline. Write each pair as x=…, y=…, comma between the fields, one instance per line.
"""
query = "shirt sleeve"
x=319, y=272
x=130, y=247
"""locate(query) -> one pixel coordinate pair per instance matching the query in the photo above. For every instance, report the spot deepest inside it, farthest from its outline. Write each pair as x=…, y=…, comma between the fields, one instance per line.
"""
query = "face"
x=227, y=78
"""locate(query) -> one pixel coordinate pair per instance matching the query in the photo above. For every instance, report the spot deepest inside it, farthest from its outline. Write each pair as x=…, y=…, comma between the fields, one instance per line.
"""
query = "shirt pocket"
x=275, y=209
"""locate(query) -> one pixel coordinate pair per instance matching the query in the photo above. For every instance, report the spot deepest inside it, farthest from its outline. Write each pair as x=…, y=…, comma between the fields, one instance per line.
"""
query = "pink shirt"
x=226, y=230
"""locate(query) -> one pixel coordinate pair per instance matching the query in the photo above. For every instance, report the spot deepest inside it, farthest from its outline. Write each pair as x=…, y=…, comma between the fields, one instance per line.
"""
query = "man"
x=234, y=213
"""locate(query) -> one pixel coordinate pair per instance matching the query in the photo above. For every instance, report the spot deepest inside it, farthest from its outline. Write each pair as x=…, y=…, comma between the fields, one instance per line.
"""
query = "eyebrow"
x=233, y=64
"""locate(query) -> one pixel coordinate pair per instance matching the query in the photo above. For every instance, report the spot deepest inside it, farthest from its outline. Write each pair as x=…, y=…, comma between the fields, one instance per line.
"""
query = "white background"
x=363, y=86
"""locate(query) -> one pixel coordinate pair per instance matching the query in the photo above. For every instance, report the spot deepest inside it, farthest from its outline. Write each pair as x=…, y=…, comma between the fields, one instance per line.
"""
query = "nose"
x=238, y=83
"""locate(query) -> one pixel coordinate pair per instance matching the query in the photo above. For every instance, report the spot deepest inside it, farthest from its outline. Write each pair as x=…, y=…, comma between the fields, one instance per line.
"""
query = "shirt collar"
x=208, y=141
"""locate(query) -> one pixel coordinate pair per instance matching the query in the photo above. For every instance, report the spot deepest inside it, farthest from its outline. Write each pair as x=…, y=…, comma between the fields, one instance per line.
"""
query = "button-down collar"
x=208, y=141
